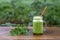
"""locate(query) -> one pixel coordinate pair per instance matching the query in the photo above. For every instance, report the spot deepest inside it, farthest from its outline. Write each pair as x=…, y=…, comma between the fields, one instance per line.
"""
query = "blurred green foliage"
x=14, y=12
x=22, y=11
x=52, y=15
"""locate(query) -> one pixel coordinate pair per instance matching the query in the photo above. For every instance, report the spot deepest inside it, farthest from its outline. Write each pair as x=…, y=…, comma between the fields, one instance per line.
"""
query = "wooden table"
x=52, y=33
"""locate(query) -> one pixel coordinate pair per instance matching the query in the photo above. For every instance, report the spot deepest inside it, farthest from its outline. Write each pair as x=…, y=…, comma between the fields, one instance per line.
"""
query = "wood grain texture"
x=52, y=33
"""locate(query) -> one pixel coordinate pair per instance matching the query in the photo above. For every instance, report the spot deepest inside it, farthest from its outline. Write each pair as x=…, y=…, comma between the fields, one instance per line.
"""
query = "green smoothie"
x=38, y=25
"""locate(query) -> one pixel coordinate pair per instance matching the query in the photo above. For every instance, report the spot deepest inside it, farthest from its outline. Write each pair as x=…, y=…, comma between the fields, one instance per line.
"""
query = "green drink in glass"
x=37, y=25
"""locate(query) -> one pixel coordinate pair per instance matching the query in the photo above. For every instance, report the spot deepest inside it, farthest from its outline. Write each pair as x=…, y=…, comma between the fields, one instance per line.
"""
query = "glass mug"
x=38, y=25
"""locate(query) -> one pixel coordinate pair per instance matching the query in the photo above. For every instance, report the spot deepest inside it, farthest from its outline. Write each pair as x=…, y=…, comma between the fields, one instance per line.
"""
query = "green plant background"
x=22, y=11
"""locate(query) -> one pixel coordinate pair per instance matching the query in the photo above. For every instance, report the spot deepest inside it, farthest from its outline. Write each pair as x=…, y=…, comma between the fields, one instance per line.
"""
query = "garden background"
x=22, y=11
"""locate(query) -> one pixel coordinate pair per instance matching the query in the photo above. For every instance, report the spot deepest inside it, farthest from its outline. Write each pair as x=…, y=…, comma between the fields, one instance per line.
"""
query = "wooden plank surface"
x=51, y=33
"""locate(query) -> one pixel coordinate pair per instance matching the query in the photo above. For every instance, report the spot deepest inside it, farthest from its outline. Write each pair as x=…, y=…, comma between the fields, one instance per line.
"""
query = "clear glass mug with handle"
x=38, y=25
